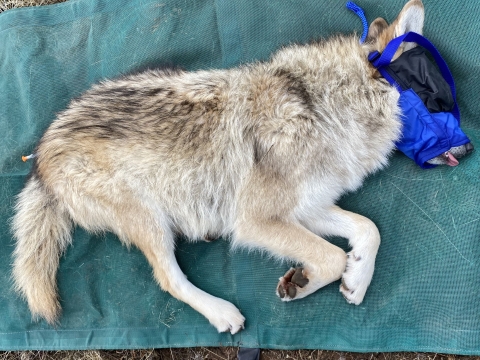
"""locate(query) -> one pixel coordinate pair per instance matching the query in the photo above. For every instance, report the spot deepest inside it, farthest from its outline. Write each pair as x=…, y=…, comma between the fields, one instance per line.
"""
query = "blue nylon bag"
x=425, y=134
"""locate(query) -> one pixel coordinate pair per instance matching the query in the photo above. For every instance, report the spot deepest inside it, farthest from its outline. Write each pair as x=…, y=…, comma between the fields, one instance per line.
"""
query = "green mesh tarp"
x=425, y=294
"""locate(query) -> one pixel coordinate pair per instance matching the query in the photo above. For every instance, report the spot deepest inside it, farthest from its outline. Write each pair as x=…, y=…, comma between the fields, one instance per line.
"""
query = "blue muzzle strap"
x=425, y=134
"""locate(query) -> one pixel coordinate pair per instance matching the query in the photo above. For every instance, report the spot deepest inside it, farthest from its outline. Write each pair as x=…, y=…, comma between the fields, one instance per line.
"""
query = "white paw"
x=225, y=317
x=357, y=277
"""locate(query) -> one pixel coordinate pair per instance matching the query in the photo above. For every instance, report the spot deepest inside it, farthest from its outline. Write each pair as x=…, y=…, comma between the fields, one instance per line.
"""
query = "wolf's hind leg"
x=156, y=241
x=322, y=262
x=364, y=238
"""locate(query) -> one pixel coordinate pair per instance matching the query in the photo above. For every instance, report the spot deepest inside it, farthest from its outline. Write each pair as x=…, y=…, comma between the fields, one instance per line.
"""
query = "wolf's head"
x=410, y=19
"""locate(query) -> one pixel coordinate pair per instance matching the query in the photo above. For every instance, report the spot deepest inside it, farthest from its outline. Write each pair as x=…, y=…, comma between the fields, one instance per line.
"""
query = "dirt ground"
x=227, y=353
x=200, y=353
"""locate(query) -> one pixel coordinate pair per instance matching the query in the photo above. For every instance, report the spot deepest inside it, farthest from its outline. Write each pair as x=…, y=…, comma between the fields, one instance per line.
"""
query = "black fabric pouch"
x=414, y=70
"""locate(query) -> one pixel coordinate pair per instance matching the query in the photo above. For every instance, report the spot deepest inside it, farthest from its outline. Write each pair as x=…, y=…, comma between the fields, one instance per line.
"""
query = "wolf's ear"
x=375, y=29
x=410, y=18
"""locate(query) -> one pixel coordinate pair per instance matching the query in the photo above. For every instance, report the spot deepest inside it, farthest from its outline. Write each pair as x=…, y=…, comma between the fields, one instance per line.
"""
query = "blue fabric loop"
x=359, y=11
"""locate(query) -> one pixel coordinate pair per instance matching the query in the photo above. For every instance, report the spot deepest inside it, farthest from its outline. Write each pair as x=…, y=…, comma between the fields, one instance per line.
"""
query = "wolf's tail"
x=42, y=229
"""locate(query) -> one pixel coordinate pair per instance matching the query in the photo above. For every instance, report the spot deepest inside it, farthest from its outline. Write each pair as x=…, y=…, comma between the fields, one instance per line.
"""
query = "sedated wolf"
x=259, y=152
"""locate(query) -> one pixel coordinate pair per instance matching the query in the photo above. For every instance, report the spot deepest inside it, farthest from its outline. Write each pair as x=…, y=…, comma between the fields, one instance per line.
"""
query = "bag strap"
x=386, y=57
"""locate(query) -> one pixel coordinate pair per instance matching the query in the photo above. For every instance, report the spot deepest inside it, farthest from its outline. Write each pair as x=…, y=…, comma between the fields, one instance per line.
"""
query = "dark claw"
x=292, y=290
x=209, y=238
x=289, y=274
x=285, y=288
x=298, y=278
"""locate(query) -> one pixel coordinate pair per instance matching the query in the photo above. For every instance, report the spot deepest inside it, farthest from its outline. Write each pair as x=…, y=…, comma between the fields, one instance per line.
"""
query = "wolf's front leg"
x=322, y=262
x=364, y=239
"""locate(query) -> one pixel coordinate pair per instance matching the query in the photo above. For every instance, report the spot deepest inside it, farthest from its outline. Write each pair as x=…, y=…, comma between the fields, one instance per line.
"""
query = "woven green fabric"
x=425, y=294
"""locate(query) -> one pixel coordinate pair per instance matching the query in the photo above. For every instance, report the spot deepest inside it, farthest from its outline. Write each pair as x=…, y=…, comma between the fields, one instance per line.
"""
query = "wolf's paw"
x=356, y=278
x=291, y=283
x=226, y=317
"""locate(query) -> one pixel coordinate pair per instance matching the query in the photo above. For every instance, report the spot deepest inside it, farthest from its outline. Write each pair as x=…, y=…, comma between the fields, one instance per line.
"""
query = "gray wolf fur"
x=259, y=153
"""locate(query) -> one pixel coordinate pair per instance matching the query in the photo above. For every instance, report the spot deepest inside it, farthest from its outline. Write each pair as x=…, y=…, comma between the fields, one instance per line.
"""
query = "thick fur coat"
x=259, y=153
